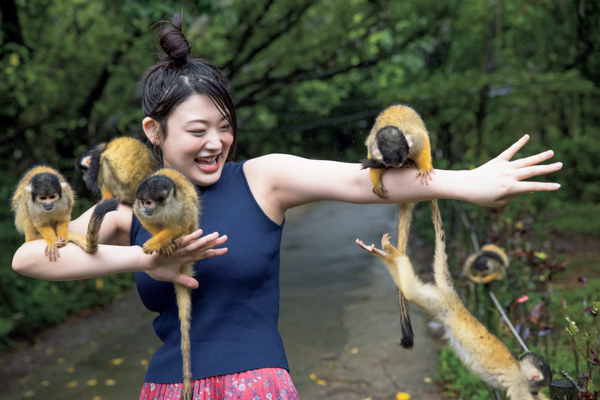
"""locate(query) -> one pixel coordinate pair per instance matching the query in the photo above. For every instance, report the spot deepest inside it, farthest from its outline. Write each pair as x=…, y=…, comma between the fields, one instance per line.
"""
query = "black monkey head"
x=153, y=193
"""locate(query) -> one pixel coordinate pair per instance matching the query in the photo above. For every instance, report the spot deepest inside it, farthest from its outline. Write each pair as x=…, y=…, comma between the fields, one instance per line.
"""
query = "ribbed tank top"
x=235, y=309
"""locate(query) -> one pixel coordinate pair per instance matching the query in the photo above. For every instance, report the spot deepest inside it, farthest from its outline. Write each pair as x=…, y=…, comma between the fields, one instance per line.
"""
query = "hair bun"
x=173, y=42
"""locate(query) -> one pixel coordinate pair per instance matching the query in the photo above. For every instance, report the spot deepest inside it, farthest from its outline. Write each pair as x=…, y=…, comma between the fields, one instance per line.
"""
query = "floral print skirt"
x=256, y=384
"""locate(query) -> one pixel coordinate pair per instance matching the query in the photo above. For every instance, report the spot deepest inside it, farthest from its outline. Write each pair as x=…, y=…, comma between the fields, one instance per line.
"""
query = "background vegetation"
x=308, y=77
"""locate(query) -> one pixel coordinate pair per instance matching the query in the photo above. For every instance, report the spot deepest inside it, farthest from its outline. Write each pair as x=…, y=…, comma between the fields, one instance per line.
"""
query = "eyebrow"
x=203, y=120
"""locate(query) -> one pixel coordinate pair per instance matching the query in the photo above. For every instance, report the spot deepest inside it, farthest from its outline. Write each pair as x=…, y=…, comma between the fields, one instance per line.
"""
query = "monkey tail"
x=404, y=221
x=89, y=244
x=98, y=215
x=407, y=341
x=184, y=304
x=440, y=259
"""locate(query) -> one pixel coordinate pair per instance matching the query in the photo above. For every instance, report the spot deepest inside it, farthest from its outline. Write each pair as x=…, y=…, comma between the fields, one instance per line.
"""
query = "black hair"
x=176, y=77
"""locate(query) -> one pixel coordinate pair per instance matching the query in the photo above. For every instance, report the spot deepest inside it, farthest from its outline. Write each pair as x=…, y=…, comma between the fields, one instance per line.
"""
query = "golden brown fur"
x=482, y=352
x=168, y=206
x=117, y=168
x=489, y=263
x=43, y=187
x=408, y=145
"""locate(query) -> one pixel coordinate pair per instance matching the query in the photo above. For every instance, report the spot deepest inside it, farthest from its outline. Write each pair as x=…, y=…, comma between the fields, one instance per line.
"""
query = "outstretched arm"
x=279, y=181
x=114, y=254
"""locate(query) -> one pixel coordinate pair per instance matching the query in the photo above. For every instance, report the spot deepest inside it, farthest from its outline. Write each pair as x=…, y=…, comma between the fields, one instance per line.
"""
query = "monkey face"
x=536, y=371
x=153, y=194
x=47, y=202
x=197, y=142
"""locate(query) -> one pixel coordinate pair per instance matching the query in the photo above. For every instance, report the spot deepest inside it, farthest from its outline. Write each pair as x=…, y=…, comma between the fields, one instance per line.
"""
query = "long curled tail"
x=404, y=221
x=89, y=244
x=184, y=304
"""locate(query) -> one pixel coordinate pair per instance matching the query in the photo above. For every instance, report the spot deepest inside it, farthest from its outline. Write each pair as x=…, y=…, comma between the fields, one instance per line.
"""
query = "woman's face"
x=198, y=140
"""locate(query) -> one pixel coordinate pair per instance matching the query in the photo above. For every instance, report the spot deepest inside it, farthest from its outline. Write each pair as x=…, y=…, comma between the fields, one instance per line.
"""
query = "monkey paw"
x=426, y=175
x=51, y=252
x=168, y=249
x=371, y=249
x=148, y=249
x=380, y=191
x=61, y=241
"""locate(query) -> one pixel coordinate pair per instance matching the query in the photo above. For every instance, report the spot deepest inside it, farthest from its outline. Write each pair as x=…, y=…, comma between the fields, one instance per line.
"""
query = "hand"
x=500, y=180
x=193, y=248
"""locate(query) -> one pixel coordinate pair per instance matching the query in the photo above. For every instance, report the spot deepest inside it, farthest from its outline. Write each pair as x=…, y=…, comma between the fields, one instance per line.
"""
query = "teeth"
x=207, y=160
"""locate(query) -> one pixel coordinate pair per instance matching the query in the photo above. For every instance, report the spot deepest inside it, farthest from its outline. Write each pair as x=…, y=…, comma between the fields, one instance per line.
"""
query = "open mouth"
x=208, y=164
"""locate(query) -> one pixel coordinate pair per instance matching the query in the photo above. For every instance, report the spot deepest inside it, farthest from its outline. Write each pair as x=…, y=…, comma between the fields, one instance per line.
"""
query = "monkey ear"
x=63, y=184
x=152, y=129
x=28, y=188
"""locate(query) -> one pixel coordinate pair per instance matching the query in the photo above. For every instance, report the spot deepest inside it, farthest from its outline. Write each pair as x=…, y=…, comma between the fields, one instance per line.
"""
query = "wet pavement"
x=339, y=321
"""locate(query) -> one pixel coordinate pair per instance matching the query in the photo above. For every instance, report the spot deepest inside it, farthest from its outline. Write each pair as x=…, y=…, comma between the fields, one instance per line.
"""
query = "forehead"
x=197, y=107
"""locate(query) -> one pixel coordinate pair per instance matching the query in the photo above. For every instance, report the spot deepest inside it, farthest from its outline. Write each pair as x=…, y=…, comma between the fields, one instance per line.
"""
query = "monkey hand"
x=51, y=252
x=168, y=249
x=380, y=191
x=61, y=241
x=426, y=175
x=372, y=249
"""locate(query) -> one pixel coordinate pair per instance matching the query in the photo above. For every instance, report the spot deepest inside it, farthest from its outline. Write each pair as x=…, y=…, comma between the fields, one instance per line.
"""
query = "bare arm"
x=279, y=182
x=114, y=254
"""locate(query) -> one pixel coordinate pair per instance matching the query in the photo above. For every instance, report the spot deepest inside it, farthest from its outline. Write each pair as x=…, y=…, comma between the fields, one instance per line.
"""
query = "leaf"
x=402, y=396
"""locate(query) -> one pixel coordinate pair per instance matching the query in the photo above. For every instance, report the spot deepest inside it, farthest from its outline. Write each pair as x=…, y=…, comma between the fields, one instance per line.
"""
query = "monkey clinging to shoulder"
x=168, y=206
x=117, y=168
x=398, y=139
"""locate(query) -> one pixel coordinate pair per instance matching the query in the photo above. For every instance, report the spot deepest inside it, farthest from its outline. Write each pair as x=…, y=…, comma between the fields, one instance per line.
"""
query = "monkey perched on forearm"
x=42, y=204
x=398, y=138
x=168, y=206
x=117, y=168
x=483, y=353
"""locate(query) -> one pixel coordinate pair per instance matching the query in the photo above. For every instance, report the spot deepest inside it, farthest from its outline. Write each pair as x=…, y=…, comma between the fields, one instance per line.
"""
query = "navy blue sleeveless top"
x=236, y=307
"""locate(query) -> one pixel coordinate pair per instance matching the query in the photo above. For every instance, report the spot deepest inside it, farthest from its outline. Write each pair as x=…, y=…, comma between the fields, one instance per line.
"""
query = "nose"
x=213, y=140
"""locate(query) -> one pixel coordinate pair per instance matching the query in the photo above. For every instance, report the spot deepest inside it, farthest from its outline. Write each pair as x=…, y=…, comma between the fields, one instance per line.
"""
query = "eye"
x=198, y=132
x=226, y=127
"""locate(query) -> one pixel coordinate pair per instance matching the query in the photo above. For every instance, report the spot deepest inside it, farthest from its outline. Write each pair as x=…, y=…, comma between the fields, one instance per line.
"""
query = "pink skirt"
x=256, y=384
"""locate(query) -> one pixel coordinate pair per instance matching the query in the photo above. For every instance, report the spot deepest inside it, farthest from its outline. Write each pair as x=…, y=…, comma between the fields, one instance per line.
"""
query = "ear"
x=152, y=129
x=63, y=184
x=28, y=188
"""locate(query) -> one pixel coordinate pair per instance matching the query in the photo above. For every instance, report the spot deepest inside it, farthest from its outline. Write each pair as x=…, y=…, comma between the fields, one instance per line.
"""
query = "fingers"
x=512, y=150
x=186, y=281
x=537, y=170
x=207, y=242
x=532, y=160
x=191, y=237
x=529, y=187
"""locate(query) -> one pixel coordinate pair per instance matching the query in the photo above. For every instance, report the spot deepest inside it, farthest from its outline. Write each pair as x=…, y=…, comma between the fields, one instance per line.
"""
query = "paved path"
x=339, y=310
x=338, y=318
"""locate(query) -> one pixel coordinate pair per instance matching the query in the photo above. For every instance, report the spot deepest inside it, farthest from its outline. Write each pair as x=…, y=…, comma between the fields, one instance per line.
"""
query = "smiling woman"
x=190, y=118
x=196, y=141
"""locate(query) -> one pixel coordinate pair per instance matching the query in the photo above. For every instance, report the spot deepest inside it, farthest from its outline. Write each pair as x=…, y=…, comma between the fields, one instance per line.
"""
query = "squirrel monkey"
x=491, y=263
x=42, y=204
x=483, y=353
x=168, y=206
x=117, y=168
x=398, y=139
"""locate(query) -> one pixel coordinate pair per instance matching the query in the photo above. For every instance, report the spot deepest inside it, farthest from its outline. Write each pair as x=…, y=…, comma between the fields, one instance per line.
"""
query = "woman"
x=236, y=346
